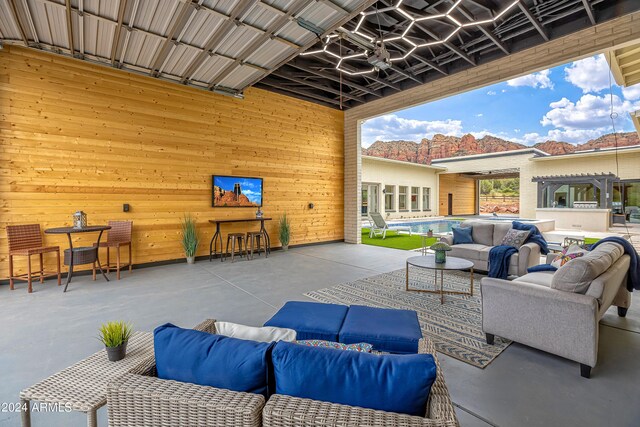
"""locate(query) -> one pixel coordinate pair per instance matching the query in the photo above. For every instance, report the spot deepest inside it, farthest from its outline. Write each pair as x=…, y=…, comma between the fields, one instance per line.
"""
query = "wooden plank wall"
x=80, y=136
x=464, y=194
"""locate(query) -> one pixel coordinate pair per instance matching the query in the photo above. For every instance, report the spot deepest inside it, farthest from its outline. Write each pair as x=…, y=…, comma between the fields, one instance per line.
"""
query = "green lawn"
x=590, y=240
x=396, y=241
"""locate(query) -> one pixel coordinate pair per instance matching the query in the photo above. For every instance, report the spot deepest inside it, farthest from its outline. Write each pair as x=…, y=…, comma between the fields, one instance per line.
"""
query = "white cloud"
x=589, y=74
x=539, y=80
x=631, y=93
x=391, y=127
x=503, y=91
x=589, y=112
x=516, y=130
x=479, y=115
x=492, y=93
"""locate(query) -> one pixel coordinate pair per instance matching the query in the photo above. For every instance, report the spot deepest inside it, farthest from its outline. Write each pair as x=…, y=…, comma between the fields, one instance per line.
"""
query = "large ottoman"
x=310, y=320
x=388, y=330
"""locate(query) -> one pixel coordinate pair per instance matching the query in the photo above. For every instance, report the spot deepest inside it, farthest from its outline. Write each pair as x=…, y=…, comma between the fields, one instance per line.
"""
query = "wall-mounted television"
x=236, y=192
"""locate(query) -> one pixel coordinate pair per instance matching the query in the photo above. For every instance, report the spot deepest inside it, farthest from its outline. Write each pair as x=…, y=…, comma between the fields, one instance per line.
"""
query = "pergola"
x=603, y=182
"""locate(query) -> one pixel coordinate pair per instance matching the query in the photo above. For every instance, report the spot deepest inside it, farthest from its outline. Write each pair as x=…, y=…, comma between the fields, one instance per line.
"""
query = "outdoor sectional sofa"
x=559, y=312
x=145, y=400
x=487, y=234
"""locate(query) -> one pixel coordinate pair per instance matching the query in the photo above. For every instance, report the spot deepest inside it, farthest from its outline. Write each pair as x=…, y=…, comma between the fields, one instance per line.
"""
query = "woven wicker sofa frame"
x=145, y=400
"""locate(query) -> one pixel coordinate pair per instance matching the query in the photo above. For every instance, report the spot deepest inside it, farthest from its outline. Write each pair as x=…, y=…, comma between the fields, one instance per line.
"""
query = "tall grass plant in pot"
x=190, y=238
x=284, y=230
x=115, y=336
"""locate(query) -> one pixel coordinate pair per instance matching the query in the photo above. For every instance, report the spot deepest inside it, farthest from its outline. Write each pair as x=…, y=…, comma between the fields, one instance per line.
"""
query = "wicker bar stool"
x=119, y=235
x=255, y=239
x=234, y=238
x=26, y=240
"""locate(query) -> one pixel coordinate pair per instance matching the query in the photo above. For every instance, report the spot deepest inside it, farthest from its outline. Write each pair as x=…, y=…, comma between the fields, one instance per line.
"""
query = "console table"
x=217, y=237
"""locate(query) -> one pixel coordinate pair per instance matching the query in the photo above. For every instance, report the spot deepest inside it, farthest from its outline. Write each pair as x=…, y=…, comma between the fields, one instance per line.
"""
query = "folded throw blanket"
x=499, y=257
x=633, y=278
x=535, y=236
x=541, y=267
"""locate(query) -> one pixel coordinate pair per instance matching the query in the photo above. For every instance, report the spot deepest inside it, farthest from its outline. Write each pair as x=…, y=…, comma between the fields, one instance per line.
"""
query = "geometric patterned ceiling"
x=427, y=40
x=317, y=50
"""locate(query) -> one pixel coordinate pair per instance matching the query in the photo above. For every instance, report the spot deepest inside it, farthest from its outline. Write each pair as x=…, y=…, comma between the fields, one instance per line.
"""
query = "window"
x=402, y=198
x=389, y=198
x=415, y=198
x=426, y=199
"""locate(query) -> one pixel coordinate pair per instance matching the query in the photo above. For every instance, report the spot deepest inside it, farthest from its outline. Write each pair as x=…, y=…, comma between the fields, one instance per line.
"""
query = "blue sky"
x=251, y=187
x=568, y=103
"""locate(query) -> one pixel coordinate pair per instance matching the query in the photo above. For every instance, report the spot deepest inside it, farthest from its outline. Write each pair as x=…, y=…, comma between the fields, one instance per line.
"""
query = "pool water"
x=420, y=227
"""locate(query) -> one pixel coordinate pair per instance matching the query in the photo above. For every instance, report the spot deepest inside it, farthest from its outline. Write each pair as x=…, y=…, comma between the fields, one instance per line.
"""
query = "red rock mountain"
x=441, y=146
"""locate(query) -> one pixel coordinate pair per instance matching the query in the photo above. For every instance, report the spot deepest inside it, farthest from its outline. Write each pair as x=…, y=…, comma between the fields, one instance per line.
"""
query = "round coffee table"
x=429, y=262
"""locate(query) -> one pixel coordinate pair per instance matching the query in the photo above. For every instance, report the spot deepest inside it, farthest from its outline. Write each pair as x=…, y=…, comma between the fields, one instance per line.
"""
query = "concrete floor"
x=47, y=331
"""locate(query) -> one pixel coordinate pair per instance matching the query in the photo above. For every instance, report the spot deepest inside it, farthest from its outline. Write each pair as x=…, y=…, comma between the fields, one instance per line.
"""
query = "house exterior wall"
x=397, y=174
x=607, y=35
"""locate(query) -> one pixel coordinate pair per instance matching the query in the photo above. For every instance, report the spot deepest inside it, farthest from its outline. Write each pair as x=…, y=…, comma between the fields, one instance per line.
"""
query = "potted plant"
x=114, y=336
x=440, y=249
x=284, y=231
x=189, y=238
x=430, y=233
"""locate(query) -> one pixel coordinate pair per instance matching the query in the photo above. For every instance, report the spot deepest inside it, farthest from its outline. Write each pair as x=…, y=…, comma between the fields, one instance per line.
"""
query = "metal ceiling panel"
x=223, y=6
x=8, y=28
x=240, y=77
x=211, y=68
x=180, y=59
x=107, y=9
x=223, y=45
x=203, y=26
x=236, y=41
x=270, y=54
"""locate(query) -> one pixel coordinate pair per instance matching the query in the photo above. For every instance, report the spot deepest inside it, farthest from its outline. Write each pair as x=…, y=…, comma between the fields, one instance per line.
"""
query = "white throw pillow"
x=263, y=334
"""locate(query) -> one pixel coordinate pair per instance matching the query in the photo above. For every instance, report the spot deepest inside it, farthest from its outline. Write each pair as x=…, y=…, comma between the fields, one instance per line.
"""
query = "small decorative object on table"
x=79, y=219
x=430, y=233
x=259, y=213
x=114, y=336
x=285, y=231
x=190, y=238
x=441, y=249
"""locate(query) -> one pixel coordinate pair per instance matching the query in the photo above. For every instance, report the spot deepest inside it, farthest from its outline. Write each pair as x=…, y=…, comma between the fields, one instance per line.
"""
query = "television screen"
x=235, y=191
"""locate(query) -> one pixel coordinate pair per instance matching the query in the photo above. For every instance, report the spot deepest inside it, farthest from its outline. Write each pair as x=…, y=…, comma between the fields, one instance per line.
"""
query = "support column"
x=352, y=180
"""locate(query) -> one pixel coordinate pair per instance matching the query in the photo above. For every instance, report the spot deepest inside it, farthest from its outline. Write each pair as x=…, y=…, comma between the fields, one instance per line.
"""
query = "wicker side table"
x=84, y=384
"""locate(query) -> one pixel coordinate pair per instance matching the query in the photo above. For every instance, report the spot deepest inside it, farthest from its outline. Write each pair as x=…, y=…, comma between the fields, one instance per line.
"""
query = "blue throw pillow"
x=207, y=359
x=389, y=382
x=462, y=235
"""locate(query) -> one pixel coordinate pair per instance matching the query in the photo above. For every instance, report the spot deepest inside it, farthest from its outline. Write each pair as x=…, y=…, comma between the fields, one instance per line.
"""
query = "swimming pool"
x=438, y=226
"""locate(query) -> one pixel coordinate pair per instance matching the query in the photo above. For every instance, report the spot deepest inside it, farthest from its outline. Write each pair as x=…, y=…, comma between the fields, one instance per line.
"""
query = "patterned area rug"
x=455, y=327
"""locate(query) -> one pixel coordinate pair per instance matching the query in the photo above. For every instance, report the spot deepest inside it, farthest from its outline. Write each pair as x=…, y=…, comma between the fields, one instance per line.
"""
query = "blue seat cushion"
x=394, y=331
x=310, y=320
x=214, y=360
x=389, y=382
x=462, y=235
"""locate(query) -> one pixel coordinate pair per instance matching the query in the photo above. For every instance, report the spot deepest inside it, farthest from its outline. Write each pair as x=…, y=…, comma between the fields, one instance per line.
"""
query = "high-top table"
x=82, y=255
x=429, y=262
x=217, y=237
x=83, y=386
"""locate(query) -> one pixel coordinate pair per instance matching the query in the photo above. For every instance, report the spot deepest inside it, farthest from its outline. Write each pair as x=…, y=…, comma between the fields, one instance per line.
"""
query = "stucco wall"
x=402, y=174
